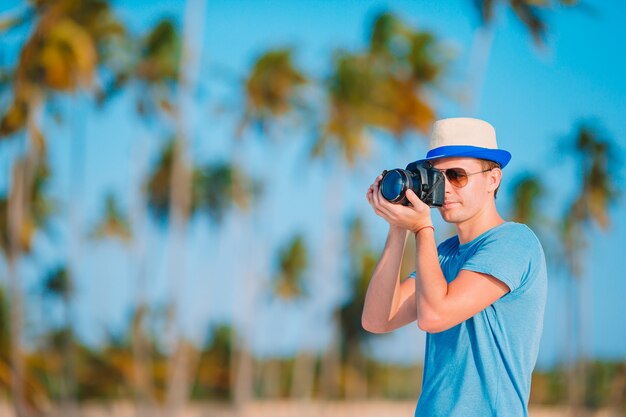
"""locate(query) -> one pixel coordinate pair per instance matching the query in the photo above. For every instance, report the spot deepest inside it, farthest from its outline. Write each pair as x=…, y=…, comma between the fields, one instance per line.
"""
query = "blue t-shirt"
x=482, y=367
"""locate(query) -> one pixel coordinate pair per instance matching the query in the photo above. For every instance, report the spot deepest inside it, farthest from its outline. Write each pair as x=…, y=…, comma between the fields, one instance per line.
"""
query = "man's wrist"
x=424, y=228
x=399, y=232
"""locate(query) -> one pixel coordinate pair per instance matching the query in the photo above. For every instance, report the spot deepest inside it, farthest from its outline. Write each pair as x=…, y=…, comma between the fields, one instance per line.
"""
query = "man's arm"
x=437, y=305
x=389, y=304
x=440, y=305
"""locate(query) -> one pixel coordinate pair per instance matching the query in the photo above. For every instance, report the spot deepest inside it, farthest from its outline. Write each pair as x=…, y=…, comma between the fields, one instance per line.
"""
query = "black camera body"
x=426, y=182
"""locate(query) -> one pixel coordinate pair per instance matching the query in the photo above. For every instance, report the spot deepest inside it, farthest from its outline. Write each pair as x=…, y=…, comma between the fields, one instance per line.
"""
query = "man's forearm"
x=431, y=286
x=382, y=297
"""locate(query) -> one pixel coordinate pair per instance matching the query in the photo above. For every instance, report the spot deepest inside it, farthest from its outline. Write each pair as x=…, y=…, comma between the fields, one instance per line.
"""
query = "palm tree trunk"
x=142, y=364
x=271, y=380
x=180, y=202
x=576, y=384
x=571, y=345
x=303, y=376
x=248, y=228
x=583, y=336
x=77, y=161
x=185, y=359
x=477, y=67
x=580, y=408
x=356, y=373
x=331, y=364
x=68, y=403
x=331, y=267
x=179, y=206
x=618, y=391
x=145, y=404
x=242, y=366
x=18, y=208
x=241, y=375
x=15, y=220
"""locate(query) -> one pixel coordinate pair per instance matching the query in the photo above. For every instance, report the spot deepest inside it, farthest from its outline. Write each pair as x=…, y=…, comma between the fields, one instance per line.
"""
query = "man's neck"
x=474, y=227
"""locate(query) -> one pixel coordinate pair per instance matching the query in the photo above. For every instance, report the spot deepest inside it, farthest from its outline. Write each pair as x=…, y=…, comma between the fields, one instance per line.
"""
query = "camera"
x=426, y=182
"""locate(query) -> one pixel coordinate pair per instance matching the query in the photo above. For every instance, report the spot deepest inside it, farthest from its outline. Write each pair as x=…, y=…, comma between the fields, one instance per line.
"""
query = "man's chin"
x=447, y=215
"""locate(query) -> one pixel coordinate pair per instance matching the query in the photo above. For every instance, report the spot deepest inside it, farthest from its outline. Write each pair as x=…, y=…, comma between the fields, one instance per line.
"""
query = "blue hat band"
x=497, y=155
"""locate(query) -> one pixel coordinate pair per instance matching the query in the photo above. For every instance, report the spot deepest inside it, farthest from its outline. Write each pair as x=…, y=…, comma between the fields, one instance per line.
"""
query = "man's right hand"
x=412, y=217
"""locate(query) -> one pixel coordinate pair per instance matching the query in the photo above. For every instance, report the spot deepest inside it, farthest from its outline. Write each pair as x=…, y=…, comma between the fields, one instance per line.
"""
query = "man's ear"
x=495, y=177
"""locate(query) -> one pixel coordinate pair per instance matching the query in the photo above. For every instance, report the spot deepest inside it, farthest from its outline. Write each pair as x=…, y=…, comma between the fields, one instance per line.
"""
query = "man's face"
x=465, y=203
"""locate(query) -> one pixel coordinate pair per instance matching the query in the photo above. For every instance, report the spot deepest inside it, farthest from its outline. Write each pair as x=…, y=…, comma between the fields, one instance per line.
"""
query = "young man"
x=480, y=295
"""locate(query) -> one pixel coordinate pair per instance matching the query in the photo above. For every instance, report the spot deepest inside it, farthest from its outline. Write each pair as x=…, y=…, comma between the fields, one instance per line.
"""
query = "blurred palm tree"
x=271, y=89
x=61, y=54
x=113, y=223
x=5, y=340
x=134, y=367
x=215, y=189
x=528, y=190
x=288, y=286
x=149, y=67
x=531, y=13
x=292, y=264
x=156, y=70
x=213, y=368
x=175, y=190
x=388, y=87
x=40, y=210
x=58, y=284
x=362, y=263
x=18, y=226
x=184, y=356
x=272, y=92
x=596, y=192
x=105, y=370
x=527, y=11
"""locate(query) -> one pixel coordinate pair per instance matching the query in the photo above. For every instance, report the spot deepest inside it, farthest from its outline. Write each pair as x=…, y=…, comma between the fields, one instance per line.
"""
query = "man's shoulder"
x=516, y=243
x=511, y=238
x=515, y=232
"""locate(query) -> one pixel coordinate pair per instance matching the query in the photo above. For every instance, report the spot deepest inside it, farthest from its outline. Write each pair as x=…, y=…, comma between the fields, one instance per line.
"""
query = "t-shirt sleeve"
x=506, y=256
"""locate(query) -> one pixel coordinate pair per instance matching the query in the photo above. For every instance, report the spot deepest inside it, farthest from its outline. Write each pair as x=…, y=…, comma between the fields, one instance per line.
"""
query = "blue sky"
x=533, y=96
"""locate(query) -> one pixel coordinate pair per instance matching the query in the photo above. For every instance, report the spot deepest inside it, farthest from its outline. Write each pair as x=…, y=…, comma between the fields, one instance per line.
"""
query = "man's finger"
x=413, y=198
x=381, y=204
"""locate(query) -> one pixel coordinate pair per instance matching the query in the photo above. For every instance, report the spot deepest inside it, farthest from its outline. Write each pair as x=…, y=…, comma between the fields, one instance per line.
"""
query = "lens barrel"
x=394, y=184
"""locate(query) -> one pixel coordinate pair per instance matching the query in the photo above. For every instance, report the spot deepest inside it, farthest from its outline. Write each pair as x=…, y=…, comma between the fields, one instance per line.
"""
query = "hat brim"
x=500, y=156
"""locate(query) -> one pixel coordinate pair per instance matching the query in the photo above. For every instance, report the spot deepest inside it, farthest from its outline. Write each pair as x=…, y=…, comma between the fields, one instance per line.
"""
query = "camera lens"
x=426, y=182
x=392, y=185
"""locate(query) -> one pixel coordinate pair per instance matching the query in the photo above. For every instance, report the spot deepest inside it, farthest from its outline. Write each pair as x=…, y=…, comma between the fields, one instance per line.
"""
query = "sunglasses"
x=458, y=176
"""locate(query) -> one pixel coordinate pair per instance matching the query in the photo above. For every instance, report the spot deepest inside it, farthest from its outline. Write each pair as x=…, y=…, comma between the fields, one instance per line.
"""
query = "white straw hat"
x=465, y=137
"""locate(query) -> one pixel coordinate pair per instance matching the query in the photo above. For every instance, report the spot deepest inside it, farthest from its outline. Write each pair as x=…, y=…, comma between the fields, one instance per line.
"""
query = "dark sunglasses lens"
x=456, y=176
